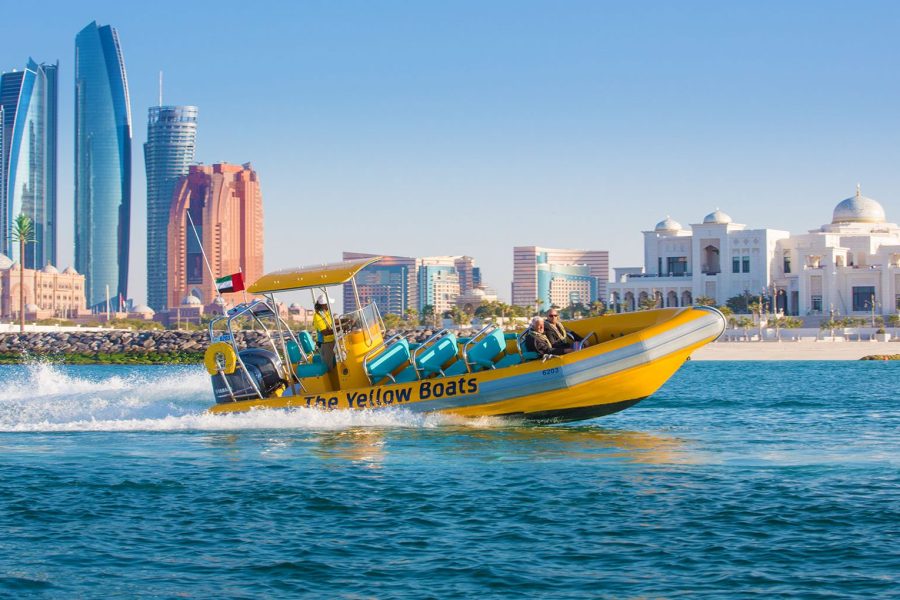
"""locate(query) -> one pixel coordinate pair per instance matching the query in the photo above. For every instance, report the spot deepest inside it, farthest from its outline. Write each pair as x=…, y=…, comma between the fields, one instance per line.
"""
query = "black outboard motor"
x=263, y=366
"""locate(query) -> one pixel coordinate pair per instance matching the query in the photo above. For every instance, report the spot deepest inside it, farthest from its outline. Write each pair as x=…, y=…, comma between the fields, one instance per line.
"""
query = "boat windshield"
x=366, y=321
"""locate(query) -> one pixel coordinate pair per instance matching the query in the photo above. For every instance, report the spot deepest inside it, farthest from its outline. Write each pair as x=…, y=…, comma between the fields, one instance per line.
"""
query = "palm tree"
x=428, y=315
x=23, y=232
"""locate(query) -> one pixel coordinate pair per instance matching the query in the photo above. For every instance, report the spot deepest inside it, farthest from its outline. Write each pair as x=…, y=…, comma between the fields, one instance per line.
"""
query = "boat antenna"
x=212, y=276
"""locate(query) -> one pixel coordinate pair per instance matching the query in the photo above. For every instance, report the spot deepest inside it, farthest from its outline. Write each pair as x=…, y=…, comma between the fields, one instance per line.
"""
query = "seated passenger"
x=536, y=341
x=556, y=332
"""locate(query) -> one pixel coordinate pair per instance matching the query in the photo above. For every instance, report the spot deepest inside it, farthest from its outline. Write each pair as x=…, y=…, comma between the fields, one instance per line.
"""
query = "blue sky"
x=470, y=127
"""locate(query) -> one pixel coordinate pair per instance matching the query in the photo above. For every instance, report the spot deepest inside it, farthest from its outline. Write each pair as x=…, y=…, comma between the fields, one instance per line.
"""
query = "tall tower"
x=102, y=163
x=225, y=204
x=171, y=136
x=28, y=112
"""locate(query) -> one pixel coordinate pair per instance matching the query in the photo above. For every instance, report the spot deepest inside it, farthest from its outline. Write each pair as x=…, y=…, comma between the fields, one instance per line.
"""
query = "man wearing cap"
x=324, y=324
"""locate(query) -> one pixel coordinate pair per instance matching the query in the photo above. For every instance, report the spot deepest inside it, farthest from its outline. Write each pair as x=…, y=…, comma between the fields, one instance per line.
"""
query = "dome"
x=668, y=224
x=191, y=300
x=5, y=262
x=717, y=217
x=143, y=309
x=294, y=306
x=48, y=268
x=858, y=209
x=31, y=308
x=70, y=271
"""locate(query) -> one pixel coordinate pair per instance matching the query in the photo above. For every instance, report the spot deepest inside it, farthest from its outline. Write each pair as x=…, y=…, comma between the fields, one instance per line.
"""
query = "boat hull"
x=638, y=353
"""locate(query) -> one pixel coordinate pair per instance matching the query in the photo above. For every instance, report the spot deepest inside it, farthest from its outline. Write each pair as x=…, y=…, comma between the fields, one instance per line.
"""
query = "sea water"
x=735, y=480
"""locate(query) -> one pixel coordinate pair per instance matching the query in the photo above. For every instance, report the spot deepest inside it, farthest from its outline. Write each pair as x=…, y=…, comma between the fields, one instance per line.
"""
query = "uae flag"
x=230, y=283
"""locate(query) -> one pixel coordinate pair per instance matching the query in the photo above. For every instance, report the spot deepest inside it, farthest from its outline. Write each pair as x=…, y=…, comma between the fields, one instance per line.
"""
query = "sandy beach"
x=803, y=350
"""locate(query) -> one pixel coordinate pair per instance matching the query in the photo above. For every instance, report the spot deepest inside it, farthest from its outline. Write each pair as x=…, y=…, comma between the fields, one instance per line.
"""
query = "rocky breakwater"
x=114, y=346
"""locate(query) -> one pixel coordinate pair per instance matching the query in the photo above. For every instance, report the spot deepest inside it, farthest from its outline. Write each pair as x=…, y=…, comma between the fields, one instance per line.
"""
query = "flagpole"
x=205, y=260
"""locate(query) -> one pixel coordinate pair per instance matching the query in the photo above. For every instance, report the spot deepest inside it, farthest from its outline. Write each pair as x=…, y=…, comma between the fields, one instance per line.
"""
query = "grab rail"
x=580, y=345
x=520, y=341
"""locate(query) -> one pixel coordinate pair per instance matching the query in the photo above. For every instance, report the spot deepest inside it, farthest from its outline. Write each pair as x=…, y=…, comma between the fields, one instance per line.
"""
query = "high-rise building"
x=438, y=283
x=225, y=205
x=390, y=283
x=102, y=163
x=469, y=274
x=561, y=277
x=399, y=283
x=28, y=117
x=171, y=135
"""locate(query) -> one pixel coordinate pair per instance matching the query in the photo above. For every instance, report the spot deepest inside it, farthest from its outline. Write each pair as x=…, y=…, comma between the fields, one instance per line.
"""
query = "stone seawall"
x=154, y=346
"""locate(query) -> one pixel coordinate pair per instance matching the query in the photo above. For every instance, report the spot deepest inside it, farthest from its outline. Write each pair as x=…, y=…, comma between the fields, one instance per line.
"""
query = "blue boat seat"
x=441, y=358
x=407, y=375
x=490, y=352
x=306, y=341
x=293, y=351
x=392, y=358
x=316, y=368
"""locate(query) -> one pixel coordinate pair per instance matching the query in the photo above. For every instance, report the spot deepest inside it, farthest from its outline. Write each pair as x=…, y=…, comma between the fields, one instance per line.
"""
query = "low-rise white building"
x=717, y=258
x=850, y=266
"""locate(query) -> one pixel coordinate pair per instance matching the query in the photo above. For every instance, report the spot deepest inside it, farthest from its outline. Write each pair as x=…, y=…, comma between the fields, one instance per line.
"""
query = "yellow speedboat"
x=625, y=358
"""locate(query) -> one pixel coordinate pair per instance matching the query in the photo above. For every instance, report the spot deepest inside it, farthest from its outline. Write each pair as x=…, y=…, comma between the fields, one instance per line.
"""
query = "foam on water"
x=43, y=397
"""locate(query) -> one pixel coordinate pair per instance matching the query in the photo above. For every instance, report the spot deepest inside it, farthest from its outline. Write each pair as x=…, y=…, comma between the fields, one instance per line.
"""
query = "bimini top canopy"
x=307, y=277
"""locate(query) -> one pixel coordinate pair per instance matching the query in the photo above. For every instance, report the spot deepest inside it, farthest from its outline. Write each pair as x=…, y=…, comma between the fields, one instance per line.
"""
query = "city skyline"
x=761, y=111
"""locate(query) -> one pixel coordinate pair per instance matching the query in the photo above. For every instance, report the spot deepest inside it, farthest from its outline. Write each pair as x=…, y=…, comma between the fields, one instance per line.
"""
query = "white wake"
x=44, y=397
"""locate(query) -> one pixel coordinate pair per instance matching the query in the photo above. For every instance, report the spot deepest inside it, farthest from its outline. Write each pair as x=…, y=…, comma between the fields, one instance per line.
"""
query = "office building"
x=171, y=138
x=28, y=154
x=558, y=277
x=225, y=205
x=399, y=283
x=102, y=164
x=437, y=282
x=390, y=283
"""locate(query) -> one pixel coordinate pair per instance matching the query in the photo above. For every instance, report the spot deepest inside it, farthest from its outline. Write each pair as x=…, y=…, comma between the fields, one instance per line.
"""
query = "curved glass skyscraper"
x=28, y=112
x=102, y=164
x=169, y=151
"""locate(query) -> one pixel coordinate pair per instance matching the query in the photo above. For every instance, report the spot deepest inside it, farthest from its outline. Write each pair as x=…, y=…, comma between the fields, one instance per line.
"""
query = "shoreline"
x=792, y=351
x=186, y=348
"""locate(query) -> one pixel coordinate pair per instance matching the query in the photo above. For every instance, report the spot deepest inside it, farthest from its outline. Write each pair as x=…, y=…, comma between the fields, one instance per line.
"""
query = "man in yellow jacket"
x=324, y=324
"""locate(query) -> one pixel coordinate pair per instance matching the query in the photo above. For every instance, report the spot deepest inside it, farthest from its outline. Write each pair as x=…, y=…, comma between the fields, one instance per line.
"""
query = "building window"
x=677, y=265
x=897, y=303
x=745, y=264
x=787, y=263
x=736, y=264
x=863, y=297
x=816, y=304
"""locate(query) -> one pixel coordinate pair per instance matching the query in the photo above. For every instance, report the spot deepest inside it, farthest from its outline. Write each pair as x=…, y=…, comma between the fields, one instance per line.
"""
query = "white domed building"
x=849, y=266
x=716, y=258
